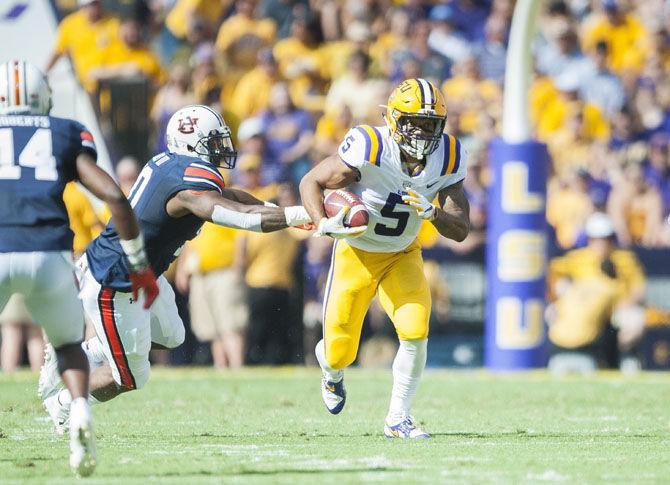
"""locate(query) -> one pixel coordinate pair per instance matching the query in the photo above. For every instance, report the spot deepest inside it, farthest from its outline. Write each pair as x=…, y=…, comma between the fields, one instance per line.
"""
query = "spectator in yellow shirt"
x=636, y=208
x=303, y=63
x=358, y=90
x=357, y=36
x=84, y=222
x=593, y=286
x=217, y=293
x=558, y=109
x=127, y=57
x=243, y=23
x=392, y=37
x=252, y=92
x=569, y=147
x=186, y=21
x=275, y=327
x=568, y=207
x=185, y=12
x=627, y=38
x=331, y=129
x=471, y=95
x=83, y=35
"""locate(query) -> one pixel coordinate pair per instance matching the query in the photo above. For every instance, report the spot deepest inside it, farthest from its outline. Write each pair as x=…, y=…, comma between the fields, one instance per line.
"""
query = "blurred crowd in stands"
x=292, y=76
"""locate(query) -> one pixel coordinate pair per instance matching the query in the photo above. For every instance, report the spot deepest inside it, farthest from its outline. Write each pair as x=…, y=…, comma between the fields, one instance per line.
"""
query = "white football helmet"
x=23, y=89
x=200, y=131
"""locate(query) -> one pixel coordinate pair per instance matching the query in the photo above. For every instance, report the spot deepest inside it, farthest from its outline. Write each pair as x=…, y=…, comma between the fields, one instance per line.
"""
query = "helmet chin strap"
x=410, y=168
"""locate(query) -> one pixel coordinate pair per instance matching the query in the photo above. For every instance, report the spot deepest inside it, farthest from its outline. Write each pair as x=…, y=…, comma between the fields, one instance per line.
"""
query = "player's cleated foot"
x=334, y=395
x=82, y=439
x=404, y=428
x=59, y=414
x=49, y=383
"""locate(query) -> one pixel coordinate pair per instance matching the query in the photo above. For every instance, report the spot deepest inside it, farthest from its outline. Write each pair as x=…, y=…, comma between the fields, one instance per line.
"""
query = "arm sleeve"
x=202, y=177
x=460, y=169
x=80, y=140
x=83, y=140
x=352, y=150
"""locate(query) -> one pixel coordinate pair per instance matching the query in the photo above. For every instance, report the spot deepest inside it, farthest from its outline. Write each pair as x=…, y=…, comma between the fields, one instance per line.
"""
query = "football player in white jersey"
x=402, y=167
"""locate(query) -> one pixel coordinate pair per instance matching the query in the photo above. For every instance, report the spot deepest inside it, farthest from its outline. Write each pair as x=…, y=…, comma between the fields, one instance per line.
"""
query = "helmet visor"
x=219, y=148
x=421, y=132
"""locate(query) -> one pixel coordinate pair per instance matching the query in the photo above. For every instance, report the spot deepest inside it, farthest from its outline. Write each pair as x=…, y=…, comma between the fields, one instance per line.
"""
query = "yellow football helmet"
x=416, y=115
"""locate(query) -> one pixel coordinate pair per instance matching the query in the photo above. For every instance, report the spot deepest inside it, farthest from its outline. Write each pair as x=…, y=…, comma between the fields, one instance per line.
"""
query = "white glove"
x=334, y=227
x=423, y=206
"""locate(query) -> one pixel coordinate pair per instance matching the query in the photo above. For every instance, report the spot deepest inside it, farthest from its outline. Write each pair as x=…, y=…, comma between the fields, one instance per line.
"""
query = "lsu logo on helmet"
x=416, y=115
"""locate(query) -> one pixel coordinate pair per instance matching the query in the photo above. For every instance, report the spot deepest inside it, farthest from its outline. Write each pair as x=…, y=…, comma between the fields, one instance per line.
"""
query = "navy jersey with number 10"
x=162, y=177
x=37, y=158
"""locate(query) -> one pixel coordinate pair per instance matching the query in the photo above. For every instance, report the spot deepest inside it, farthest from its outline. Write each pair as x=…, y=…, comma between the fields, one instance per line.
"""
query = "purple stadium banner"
x=515, y=331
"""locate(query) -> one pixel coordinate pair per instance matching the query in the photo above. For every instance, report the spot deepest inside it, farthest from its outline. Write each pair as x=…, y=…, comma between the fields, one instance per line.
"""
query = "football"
x=358, y=214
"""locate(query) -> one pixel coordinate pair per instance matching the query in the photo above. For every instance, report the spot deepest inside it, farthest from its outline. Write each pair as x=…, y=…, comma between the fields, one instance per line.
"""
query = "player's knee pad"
x=140, y=370
x=417, y=334
x=416, y=331
x=177, y=338
x=341, y=352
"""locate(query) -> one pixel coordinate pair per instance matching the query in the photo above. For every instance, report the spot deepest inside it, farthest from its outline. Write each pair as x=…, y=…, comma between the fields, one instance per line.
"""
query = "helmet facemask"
x=419, y=134
x=217, y=148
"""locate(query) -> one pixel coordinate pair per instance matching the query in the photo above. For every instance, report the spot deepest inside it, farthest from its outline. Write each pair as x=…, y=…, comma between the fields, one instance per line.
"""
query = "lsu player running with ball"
x=176, y=192
x=401, y=168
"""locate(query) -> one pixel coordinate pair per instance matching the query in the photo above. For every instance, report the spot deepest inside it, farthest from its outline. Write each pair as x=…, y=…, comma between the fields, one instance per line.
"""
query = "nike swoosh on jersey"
x=430, y=185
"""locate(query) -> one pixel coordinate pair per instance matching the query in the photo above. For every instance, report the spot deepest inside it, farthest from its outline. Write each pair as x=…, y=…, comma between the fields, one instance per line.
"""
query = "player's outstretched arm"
x=452, y=219
x=214, y=207
x=241, y=196
x=331, y=173
x=103, y=187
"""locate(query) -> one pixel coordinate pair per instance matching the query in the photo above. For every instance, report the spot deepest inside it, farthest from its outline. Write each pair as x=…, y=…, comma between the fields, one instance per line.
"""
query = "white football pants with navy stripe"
x=126, y=329
x=47, y=282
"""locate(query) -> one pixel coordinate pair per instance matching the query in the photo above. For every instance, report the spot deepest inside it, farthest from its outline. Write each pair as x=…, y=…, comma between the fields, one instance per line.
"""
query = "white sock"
x=80, y=410
x=333, y=375
x=407, y=369
x=65, y=399
x=93, y=349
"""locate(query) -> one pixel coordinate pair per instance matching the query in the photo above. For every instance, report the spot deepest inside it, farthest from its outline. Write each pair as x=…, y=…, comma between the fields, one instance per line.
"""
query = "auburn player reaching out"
x=175, y=193
x=401, y=167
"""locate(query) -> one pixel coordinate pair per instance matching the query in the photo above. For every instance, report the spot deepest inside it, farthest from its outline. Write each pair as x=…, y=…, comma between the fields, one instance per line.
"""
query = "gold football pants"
x=355, y=277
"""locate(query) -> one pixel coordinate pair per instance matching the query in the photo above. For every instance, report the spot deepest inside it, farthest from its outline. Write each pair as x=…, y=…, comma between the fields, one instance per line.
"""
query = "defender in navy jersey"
x=39, y=154
x=174, y=195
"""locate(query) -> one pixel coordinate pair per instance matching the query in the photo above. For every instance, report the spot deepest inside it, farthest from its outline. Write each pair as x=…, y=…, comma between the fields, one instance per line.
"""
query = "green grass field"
x=269, y=426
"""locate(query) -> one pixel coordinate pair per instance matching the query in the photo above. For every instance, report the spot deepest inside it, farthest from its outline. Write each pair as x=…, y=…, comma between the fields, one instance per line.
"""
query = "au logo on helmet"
x=187, y=126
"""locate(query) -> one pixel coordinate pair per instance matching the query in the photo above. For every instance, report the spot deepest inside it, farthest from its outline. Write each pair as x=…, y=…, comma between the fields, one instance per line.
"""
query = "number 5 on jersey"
x=388, y=212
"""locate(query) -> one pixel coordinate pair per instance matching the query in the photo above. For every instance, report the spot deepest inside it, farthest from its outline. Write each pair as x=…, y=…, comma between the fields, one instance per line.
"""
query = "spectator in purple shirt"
x=657, y=169
x=471, y=17
x=445, y=39
x=562, y=53
x=288, y=135
x=492, y=53
x=601, y=87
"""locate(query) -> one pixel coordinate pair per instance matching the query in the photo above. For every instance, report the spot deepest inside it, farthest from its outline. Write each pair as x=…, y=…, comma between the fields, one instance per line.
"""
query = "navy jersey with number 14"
x=161, y=179
x=37, y=158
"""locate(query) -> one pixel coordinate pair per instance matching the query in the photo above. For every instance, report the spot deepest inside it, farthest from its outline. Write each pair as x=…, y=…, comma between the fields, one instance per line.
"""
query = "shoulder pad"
x=362, y=144
x=454, y=155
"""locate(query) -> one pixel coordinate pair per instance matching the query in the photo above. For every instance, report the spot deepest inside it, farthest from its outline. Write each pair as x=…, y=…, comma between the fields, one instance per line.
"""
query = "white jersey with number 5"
x=393, y=224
